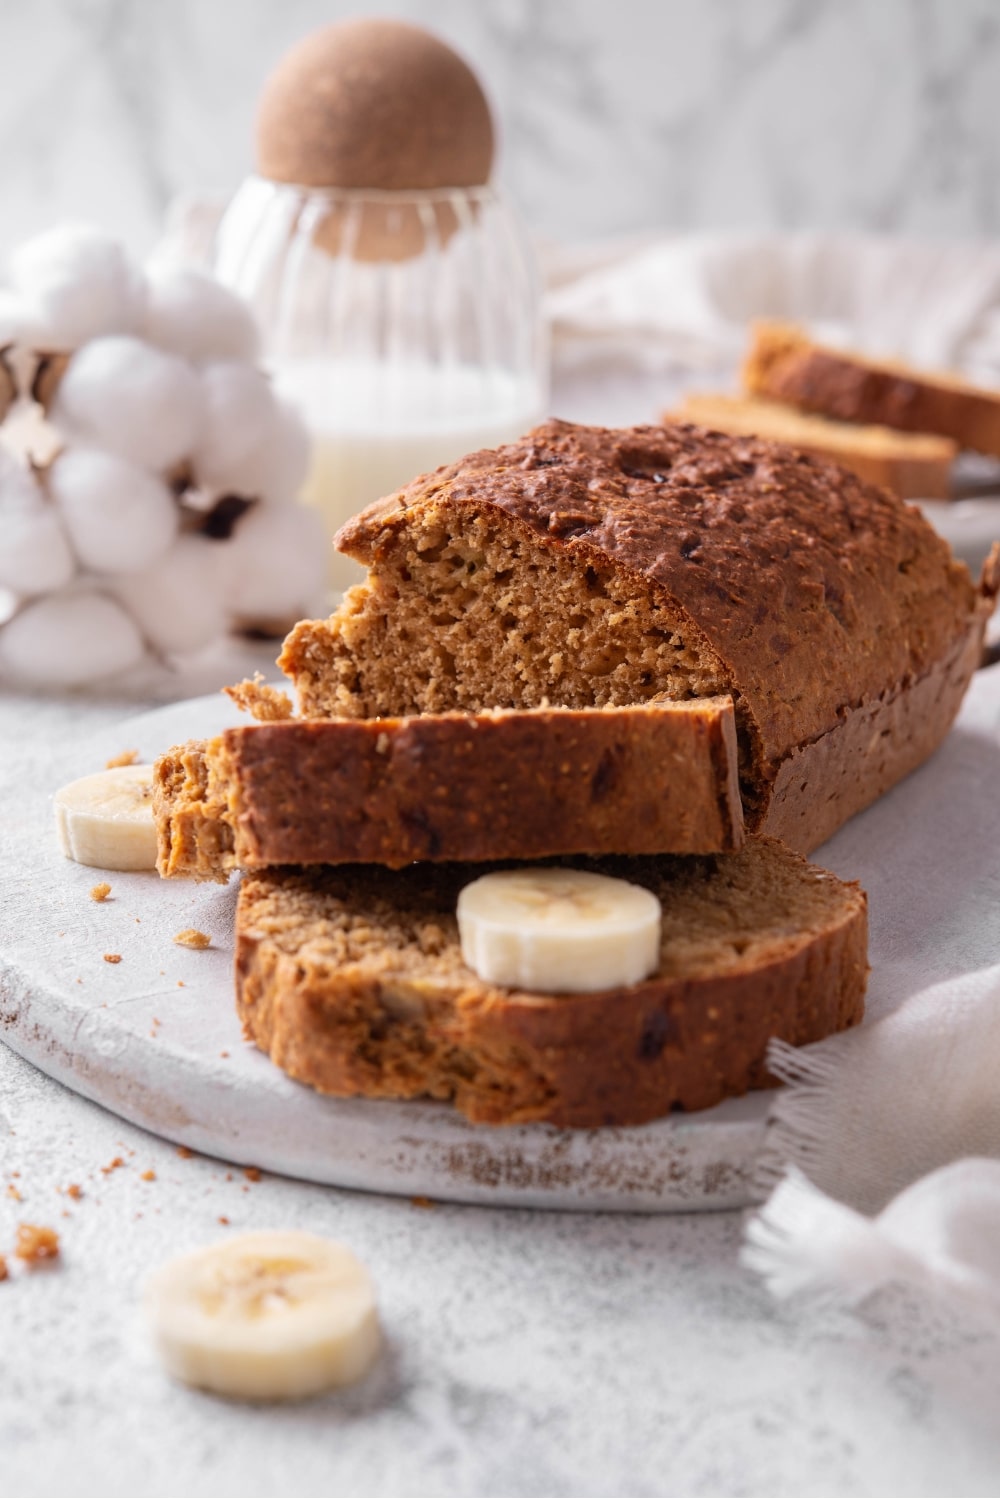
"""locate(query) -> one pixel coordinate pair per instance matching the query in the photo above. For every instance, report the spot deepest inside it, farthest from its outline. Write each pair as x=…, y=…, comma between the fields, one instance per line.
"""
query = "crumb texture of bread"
x=521, y=784
x=352, y=980
x=259, y=699
x=588, y=567
x=784, y=364
x=914, y=465
x=193, y=836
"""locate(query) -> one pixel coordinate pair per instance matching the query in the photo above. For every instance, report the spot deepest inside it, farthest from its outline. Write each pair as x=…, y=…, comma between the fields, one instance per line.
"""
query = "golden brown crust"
x=784, y=364
x=913, y=465
x=352, y=982
x=658, y=778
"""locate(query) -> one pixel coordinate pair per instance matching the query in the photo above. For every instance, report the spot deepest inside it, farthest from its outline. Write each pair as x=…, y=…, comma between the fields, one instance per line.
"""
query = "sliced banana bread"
x=352, y=980
x=504, y=785
x=585, y=566
x=785, y=365
x=913, y=465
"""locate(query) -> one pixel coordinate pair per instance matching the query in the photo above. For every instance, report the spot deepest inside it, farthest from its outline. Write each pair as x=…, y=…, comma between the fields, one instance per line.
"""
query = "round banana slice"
x=270, y=1316
x=559, y=931
x=106, y=820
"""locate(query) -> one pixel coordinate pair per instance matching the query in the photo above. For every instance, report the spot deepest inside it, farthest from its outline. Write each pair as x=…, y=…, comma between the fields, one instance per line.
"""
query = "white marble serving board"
x=155, y=1037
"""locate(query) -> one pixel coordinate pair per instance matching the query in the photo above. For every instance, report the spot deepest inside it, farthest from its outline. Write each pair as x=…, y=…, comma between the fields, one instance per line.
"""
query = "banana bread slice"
x=784, y=364
x=352, y=980
x=586, y=566
x=510, y=784
x=913, y=465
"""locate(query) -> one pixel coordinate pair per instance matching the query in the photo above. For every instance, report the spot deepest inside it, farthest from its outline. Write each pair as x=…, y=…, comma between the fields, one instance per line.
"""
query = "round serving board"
x=155, y=1038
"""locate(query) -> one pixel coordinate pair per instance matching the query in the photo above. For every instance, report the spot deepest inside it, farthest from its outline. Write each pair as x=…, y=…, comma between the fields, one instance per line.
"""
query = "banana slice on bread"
x=561, y=931
x=268, y=1316
x=106, y=820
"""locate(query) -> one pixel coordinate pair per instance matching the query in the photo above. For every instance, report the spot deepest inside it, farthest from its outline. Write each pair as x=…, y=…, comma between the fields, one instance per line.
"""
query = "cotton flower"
x=67, y=639
x=74, y=284
x=279, y=560
x=119, y=518
x=124, y=395
x=238, y=413
x=34, y=553
x=179, y=603
x=190, y=314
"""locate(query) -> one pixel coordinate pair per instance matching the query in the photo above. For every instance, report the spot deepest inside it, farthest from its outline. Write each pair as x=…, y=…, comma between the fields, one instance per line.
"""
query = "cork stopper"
x=374, y=104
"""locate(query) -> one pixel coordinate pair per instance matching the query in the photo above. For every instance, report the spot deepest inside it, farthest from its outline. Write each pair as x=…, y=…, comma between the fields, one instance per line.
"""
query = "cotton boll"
x=34, y=553
x=180, y=603
x=67, y=639
x=76, y=284
x=122, y=394
x=190, y=314
x=119, y=517
x=238, y=410
x=279, y=563
x=280, y=462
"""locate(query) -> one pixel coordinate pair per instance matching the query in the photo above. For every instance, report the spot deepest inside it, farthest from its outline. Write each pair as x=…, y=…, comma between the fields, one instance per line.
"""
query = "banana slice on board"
x=106, y=820
x=559, y=931
x=270, y=1316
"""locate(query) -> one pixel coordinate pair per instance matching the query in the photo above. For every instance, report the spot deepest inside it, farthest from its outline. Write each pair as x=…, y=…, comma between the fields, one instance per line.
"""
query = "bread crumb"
x=36, y=1243
x=421, y=1202
x=254, y=696
x=4, y=1273
x=223, y=1219
x=192, y=938
x=184, y=1151
x=252, y=1174
x=126, y=758
x=149, y=1175
x=13, y=1192
x=74, y=1191
x=112, y=958
x=100, y=892
x=113, y=1165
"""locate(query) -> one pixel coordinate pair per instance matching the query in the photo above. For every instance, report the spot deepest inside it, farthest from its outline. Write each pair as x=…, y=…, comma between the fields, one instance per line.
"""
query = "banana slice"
x=271, y=1316
x=559, y=931
x=106, y=819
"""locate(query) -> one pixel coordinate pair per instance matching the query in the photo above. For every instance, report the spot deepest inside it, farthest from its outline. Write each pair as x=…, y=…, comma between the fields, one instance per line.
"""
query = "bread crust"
x=784, y=364
x=386, y=1025
x=661, y=777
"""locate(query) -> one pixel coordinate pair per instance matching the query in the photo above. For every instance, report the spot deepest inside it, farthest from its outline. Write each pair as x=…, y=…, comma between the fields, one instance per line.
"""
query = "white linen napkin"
x=684, y=301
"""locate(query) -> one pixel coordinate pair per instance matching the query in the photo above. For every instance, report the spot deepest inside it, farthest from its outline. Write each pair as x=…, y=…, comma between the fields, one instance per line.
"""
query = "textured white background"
x=616, y=115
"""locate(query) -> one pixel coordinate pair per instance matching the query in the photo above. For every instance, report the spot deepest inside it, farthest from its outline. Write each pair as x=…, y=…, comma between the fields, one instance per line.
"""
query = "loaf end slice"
x=784, y=364
x=352, y=980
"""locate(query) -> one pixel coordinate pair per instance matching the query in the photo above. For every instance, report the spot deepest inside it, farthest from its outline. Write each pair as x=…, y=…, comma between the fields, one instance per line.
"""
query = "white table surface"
x=528, y=1353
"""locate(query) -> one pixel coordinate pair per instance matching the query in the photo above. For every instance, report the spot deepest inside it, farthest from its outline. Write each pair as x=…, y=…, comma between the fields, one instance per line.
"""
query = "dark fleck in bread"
x=784, y=364
x=585, y=566
x=505, y=785
x=352, y=980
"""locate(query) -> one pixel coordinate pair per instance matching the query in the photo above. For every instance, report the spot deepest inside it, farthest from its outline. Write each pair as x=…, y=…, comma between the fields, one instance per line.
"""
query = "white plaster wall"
x=616, y=115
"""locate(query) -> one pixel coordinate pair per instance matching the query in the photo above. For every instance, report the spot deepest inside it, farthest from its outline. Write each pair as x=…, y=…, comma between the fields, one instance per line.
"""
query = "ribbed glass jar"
x=406, y=327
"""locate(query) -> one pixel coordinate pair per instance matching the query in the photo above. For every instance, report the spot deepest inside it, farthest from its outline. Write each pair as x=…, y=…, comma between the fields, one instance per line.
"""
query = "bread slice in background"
x=784, y=364
x=352, y=980
x=915, y=466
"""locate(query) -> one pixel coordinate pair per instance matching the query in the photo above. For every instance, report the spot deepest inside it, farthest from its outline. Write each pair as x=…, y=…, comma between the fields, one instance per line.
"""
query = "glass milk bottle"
x=401, y=312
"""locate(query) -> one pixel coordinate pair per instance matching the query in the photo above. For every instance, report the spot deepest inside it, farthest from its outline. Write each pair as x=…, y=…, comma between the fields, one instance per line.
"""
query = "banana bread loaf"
x=913, y=465
x=506, y=785
x=784, y=364
x=352, y=980
x=584, y=566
